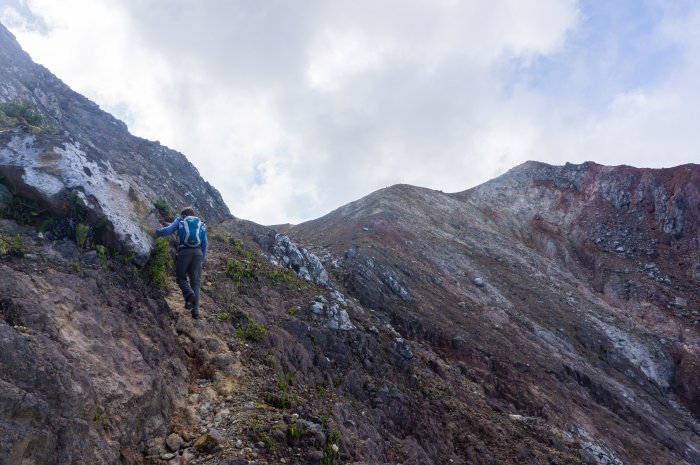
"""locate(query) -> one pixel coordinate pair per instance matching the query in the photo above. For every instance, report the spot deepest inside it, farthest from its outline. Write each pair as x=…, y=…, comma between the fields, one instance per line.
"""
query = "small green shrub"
x=164, y=209
x=252, y=331
x=12, y=245
x=294, y=310
x=159, y=264
x=223, y=316
x=22, y=210
x=102, y=420
x=101, y=252
x=279, y=274
x=270, y=444
x=282, y=400
x=75, y=266
x=77, y=209
x=285, y=381
x=13, y=114
x=216, y=235
x=241, y=251
x=242, y=270
x=81, y=233
x=331, y=455
x=295, y=431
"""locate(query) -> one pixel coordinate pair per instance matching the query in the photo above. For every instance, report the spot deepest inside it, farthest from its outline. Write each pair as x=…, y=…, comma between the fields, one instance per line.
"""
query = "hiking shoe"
x=189, y=302
x=195, y=316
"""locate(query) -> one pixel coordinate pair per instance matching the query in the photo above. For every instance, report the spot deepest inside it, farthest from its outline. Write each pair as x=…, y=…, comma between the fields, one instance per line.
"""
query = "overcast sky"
x=294, y=108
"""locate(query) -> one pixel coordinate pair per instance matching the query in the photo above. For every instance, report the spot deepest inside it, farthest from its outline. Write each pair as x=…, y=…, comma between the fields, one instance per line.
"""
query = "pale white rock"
x=51, y=172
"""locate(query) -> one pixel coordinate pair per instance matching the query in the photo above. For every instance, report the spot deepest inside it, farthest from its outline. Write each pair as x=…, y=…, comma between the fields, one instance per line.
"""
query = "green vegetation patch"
x=102, y=420
x=241, y=271
x=24, y=211
x=280, y=274
x=11, y=245
x=81, y=234
x=221, y=237
x=295, y=432
x=22, y=114
x=164, y=209
x=331, y=456
x=252, y=331
x=159, y=264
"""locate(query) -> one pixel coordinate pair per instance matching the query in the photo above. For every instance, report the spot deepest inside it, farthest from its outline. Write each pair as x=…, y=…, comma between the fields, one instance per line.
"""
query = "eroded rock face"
x=118, y=175
x=84, y=364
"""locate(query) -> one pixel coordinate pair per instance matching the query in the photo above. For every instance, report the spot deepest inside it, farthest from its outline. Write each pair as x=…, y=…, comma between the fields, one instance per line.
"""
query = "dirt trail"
x=223, y=401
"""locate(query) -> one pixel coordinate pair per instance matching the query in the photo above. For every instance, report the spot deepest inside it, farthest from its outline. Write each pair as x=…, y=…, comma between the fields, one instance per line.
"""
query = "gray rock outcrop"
x=287, y=254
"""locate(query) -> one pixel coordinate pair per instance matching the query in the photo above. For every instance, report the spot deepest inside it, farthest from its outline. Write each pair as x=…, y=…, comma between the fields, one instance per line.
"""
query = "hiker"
x=191, y=254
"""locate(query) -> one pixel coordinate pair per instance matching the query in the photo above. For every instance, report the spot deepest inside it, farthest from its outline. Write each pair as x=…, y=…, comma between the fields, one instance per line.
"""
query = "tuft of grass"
x=295, y=431
x=241, y=270
x=331, y=455
x=252, y=331
x=216, y=235
x=101, y=253
x=294, y=310
x=12, y=245
x=223, y=316
x=22, y=210
x=285, y=381
x=282, y=400
x=279, y=274
x=159, y=264
x=102, y=420
x=164, y=209
x=270, y=444
x=81, y=233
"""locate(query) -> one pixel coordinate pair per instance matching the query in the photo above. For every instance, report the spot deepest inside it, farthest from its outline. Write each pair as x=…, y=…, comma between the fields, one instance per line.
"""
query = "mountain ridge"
x=547, y=316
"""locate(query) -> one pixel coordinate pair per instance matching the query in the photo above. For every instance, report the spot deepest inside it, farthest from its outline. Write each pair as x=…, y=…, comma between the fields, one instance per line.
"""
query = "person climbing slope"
x=191, y=254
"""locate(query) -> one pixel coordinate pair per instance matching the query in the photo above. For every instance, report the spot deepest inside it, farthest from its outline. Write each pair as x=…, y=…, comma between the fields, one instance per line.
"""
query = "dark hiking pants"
x=189, y=265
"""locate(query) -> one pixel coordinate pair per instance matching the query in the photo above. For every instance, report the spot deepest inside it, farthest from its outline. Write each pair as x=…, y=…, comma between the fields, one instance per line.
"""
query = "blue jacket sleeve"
x=204, y=243
x=168, y=230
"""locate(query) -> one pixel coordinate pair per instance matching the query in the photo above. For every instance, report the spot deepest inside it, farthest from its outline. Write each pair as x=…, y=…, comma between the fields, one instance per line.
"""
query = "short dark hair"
x=187, y=211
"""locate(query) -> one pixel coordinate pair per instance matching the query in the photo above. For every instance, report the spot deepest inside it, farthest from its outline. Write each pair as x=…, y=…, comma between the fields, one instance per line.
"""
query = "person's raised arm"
x=166, y=231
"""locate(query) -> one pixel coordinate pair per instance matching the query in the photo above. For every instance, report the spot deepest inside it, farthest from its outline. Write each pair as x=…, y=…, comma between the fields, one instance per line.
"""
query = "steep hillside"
x=567, y=294
x=84, y=150
x=546, y=317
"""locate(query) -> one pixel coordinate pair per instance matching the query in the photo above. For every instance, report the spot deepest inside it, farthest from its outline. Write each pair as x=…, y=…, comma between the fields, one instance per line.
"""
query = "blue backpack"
x=189, y=231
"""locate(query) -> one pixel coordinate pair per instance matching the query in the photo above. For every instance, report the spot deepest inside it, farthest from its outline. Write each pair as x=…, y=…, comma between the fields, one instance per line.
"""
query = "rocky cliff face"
x=547, y=316
x=117, y=175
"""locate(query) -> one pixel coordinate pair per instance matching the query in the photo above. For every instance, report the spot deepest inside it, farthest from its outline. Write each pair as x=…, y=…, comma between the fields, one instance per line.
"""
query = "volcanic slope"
x=565, y=294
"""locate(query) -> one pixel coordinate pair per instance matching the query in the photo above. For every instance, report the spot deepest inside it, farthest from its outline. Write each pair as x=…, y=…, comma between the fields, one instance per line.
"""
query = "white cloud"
x=291, y=109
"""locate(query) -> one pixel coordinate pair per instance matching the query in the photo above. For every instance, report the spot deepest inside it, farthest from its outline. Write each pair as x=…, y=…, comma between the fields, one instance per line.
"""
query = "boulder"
x=174, y=442
x=206, y=444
